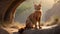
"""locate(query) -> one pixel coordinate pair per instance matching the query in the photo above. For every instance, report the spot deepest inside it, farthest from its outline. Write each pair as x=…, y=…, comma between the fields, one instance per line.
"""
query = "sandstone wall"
x=7, y=9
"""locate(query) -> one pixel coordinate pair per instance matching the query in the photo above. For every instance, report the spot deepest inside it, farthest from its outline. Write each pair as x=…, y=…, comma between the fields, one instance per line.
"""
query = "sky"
x=27, y=7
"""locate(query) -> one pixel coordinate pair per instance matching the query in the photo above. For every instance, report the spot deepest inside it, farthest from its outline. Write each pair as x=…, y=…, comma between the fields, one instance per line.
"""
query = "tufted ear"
x=39, y=5
x=35, y=5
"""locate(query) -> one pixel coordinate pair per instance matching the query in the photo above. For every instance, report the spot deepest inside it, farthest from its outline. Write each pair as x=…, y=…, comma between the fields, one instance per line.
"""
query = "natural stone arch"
x=7, y=10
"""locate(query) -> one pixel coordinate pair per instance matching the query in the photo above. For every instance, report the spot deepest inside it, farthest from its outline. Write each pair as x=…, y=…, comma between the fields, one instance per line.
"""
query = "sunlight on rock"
x=48, y=27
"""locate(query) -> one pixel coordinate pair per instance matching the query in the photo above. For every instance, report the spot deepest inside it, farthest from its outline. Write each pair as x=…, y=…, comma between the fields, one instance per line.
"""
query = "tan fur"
x=34, y=17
